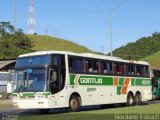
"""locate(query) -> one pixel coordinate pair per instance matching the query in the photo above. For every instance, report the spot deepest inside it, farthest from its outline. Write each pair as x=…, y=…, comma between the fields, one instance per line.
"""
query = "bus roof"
x=89, y=55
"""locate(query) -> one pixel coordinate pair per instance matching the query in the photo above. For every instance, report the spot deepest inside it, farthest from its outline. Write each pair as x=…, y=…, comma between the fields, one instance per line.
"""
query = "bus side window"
x=96, y=66
x=115, y=68
x=127, y=69
x=76, y=65
x=140, y=70
x=72, y=65
x=137, y=70
x=103, y=67
x=86, y=67
x=132, y=69
x=122, y=69
x=146, y=70
x=79, y=65
x=90, y=66
x=109, y=68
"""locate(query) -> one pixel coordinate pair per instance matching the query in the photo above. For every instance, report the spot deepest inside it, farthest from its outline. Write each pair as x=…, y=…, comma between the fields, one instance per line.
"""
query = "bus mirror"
x=53, y=76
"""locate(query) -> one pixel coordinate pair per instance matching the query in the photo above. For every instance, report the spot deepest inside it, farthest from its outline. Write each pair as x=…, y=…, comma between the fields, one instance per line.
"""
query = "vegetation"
x=43, y=42
x=96, y=114
x=153, y=59
x=140, y=49
x=13, y=42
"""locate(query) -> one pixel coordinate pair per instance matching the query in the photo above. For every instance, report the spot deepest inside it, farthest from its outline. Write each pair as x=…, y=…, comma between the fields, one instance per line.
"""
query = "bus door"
x=57, y=74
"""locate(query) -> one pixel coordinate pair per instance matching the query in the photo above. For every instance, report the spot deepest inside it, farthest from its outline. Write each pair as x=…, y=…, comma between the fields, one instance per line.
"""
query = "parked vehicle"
x=6, y=84
x=156, y=83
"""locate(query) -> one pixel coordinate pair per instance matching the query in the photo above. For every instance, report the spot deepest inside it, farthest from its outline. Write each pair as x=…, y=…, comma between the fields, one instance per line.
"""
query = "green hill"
x=43, y=42
x=154, y=60
x=140, y=49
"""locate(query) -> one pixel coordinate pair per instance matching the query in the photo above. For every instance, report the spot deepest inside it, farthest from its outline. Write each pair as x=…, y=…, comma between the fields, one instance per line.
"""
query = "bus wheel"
x=44, y=110
x=137, y=99
x=74, y=104
x=130, y=100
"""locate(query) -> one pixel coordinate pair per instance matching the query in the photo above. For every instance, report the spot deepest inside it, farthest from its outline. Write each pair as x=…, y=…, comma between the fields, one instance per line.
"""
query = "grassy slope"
x=43, y=42
x=97, y=114
x=154, y=60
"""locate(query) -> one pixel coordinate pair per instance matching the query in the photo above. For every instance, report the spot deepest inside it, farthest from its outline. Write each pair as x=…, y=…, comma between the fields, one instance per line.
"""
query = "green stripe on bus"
x=121, y=81
x=28, y=94
x=140, y=82
x=47, y=93
x=72, y=77
x=119, y=90
x=76, y=79
x=133, y=81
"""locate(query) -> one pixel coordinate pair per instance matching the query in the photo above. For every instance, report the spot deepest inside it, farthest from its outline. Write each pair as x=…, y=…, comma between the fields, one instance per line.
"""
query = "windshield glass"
x=31, y=80
x=31, y=61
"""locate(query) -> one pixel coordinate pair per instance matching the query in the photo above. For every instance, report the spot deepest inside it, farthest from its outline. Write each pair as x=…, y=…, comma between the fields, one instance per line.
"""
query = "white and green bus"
x=60, y=79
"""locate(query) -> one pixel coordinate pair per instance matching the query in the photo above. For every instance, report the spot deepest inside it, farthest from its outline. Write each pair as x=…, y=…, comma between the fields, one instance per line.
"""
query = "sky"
x=87, y=22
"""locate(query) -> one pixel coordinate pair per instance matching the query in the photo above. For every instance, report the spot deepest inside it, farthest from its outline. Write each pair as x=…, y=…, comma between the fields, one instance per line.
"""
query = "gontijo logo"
x=84, y=80
x=91, y=80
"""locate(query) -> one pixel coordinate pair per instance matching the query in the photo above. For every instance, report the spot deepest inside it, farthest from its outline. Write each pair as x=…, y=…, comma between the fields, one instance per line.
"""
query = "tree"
x=13, y=42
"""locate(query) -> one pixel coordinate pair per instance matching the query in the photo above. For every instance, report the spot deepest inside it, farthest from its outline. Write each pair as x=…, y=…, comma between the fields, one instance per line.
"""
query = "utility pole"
x=110, y=23
x=15, y=15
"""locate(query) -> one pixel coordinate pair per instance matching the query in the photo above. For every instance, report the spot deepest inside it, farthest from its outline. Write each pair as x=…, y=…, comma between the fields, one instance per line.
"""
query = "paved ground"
x=55, y=111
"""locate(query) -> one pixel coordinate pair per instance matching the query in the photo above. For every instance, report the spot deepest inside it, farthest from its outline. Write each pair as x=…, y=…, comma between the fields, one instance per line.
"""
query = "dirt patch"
x=6, y=103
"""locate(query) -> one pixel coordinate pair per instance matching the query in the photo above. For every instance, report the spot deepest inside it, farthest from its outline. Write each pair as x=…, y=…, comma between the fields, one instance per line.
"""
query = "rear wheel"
x=74, y=104
x=130, y=100
x=137, y=99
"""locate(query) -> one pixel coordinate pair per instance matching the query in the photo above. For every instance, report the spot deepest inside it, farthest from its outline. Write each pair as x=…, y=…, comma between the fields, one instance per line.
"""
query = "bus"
x=155, y=83
x=60, y=79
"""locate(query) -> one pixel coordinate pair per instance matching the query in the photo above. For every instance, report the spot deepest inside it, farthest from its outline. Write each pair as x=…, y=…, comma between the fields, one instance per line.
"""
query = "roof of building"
x=3, y=63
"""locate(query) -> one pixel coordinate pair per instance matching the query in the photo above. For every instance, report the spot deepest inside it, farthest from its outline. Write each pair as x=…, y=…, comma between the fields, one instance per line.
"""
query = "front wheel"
x=74, y=104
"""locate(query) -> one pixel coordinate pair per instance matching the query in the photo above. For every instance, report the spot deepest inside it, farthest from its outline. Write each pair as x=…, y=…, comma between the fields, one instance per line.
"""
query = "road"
x=55, y=111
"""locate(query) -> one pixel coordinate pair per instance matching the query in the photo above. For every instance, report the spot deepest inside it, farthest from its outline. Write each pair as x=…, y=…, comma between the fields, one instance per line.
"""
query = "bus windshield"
x=32, y=61
x=32, y=80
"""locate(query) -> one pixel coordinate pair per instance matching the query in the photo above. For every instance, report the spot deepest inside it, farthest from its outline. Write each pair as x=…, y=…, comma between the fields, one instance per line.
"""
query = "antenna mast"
x=31, y=19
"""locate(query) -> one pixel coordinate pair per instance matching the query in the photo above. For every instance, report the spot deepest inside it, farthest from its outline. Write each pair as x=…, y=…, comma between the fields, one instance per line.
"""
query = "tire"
x=74, y=104
x=45, y=111
x=137, y=99
x=130, y=100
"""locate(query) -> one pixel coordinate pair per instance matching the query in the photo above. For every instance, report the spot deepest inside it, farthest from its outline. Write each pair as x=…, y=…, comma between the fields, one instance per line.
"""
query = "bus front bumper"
x=31, y=103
